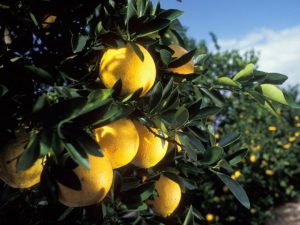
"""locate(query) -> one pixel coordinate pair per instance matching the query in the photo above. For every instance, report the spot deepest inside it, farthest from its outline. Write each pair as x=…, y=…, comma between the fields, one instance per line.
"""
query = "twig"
x=165, y=138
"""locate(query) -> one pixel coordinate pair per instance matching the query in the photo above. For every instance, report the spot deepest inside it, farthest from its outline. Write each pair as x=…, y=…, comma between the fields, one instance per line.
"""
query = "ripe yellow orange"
x=169, y=195
x=209, y=217
x=272, y=128
x=269, y=172
x=187, y=68
x=292, y=139
x=123, y=63
x=95, y=184
x=236, y=175
x=253, y=158
x=50, y=19
x=179, y=148
x=256, y=148
x=151, y=150
x=119, y=141
x=8, y=163
x=173, y=145
x=287, y=146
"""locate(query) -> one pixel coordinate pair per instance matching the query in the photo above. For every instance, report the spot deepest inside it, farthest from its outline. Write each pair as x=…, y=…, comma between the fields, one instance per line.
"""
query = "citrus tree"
x=269, y=172
x=106, y=117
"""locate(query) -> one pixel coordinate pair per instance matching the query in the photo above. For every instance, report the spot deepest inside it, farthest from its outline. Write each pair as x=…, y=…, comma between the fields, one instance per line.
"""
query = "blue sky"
x=270, y=27
x=235, y=18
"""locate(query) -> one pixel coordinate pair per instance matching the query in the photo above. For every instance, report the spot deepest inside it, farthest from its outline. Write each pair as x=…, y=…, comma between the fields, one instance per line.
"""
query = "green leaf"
x=212, y=155
x=179, y=39
x=33, y=18
x=181, y=117
x=131, y=11
x=99, y=95
x=237, y=156
x=87, y=142
x=166, y=56
x=182, y=59
x=194, y=139
x=275, y=78
x=56, y=144
x=195, y=107
x=67, y=109
x=137, y=51
x=229, y=139
x=99, y=27
x=168, y=88
x=148, y=192
x=225, y=165
x=189, y=218
x=141, y=7
x=235, y=188
x=273, y=92
x=153, y=26
x=214, y=96
x=206, y=112
x=291, y=102
x=45, y=142
x=117, y=88
x=78, y=42
x=201, y=59
x=41, y=103
x=170, y=14
x=65, y=214
x=245, y=74
x=129, y=183
x=133, y=96
x=226, y=81
x=155, y=96
x=114, y=112
x=95, y=108
x=30, y=154
x=78, y=154
x=39, y=73
x=170, y=101
x=3, y=90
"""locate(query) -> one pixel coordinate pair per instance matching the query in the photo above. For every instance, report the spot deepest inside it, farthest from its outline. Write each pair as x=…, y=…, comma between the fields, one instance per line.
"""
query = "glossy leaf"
x=3, y=90
x=274, y=93
x=131, y=11
x=155, y=96
x=275, y=78
x=244, y=74
x=153, y=26
x=170, y=14
x=226, y=81
x=137, y=51
x=78, y=42
x=189, y=218
x=235, y=188
x=229, y=139
x=39, y=73
x=30, y=154
x=78, y=154
x=182, y=59
x=237, y=156
x=211, y=155
x=165, y=56
x=181, y=117
x=206, y=112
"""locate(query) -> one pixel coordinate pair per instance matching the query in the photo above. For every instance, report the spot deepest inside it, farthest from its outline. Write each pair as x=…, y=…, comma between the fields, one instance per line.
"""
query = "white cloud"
x=279, y=50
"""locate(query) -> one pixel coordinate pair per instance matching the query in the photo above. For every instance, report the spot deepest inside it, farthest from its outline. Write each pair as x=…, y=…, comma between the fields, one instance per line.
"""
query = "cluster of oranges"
x=124, y=141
